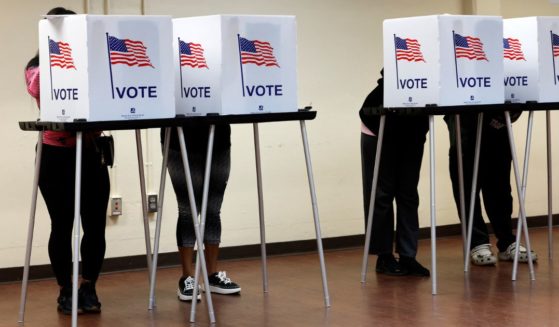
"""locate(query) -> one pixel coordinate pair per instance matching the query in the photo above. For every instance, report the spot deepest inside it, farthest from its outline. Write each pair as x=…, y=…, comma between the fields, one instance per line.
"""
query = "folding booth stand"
x=520, y=182
x=211, y=121
x=80, y=127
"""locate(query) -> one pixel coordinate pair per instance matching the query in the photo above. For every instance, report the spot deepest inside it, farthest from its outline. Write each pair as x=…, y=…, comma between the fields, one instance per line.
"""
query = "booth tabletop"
x=445, y=110
x=169, y=122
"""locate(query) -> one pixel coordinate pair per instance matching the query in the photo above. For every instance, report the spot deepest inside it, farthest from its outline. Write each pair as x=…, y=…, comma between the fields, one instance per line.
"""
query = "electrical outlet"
x=116, y=206
x=152, y=203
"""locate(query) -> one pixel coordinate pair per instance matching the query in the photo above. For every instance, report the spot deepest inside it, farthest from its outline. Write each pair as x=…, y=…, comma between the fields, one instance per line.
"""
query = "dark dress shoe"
x=413, y=267
x=387, y=264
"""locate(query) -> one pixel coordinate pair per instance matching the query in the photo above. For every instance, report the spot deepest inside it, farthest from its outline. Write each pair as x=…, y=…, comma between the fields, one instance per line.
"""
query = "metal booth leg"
x=473, y=191
x=461, y=185
x=30, y=229
x=196, y=222
x=549, y=187
x=368, y=232
x=433, y=206
x=77, y=207
x=315, y=213
x=520, y=197
x=159, y=217
x=524, y=182
x=260, y=207
x=144, y=200
x=205, y=191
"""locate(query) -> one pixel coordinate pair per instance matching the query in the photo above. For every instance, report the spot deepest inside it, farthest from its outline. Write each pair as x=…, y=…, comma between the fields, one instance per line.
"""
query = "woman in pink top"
x=56, y=183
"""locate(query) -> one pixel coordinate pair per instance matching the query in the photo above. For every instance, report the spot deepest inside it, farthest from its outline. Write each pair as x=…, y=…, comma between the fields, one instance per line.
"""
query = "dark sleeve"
x=374, y=99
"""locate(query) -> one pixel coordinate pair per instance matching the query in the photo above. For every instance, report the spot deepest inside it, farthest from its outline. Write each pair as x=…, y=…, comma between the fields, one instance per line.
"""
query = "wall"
x=340, y=56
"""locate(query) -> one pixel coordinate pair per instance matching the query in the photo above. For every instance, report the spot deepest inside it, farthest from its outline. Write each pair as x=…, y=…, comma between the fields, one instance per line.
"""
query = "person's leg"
x=186, y=256
x=56, y=183
x=381, y=244
x=95, y=196
x=480, y=234
x=497, y=194
x=185, y=234
x=220, y=170
x=368, y=151
x=382, y=231
x=411, y=142
x=495, y=184
x=408, y=166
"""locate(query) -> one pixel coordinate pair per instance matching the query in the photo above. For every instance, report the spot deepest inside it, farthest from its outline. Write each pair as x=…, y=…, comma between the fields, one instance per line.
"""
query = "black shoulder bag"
x=106, y=148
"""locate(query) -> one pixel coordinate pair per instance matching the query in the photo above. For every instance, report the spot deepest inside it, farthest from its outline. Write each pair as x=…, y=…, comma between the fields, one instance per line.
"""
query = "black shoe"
x=186, y=289
x=88, y=300
x=65, y=301
x=387, y=264
x=221, y=284
x=413, y=267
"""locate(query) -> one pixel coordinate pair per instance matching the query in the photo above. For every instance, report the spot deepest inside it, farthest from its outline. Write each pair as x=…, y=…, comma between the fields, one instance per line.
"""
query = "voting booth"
x=531, y=48
x=100, y=68
x=443, y=60
x=235, y=64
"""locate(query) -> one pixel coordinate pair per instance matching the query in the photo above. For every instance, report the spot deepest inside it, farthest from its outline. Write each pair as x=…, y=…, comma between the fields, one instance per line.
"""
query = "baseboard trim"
x=170, y=259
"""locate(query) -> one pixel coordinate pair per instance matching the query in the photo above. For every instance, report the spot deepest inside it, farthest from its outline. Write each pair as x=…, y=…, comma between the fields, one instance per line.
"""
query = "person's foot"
x=508, y=254
x=87, y=298
x=482, y=255
x=412, y=267
x=387, y=264
x=221, y=284
x=186, y=289
x=65, y=301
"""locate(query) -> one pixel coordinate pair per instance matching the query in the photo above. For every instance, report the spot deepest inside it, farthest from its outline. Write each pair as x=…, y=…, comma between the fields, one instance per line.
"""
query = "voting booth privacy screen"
x=531, y=48
x=101, y=68
x=443, y=60
x=235, y=64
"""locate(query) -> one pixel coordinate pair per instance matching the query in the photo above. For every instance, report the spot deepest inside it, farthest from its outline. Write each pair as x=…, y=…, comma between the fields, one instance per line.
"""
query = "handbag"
x=106, y=147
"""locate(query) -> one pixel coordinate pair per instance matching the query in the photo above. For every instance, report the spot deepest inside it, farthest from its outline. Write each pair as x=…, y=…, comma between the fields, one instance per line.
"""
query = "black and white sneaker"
x=221, y=284
x=186, y=289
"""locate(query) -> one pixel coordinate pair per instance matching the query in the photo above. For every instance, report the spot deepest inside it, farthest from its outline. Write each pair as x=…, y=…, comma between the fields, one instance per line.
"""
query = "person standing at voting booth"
x=196, y=138
x=56, y=183
x=400, y=163
x=493, y=182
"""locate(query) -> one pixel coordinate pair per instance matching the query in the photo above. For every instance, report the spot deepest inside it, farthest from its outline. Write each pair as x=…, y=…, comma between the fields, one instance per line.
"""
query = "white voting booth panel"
x=444, y=60
x=101, y=68
x=235, y=64
x=531, y=70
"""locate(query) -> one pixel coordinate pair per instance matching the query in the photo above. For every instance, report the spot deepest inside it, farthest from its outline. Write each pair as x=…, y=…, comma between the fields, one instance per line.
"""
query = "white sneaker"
x=482, y=255
x=508, y=254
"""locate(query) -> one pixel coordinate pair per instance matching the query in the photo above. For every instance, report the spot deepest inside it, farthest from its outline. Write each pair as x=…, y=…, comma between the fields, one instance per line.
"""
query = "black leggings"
x=220, y=168
x=57, y=183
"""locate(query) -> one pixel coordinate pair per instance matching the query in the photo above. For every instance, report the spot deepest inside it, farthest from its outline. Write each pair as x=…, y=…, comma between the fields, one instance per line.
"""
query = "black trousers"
x=56, y=183
x=493, y=178
x=400, y=164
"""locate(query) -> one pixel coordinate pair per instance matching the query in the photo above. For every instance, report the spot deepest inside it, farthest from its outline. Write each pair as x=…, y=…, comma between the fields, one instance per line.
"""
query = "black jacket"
x=406, y=124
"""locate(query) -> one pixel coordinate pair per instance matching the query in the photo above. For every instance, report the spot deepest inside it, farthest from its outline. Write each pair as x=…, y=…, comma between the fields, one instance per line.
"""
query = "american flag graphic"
x=513, y=49
x=60, y=55
x=408, y=49
x=192, y=54
x=257, y=52
x=469, y=47
x=555, y=44
x=128, y=52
